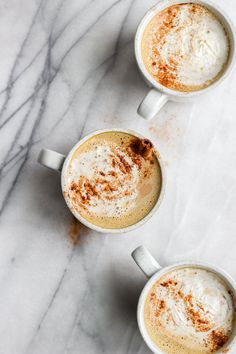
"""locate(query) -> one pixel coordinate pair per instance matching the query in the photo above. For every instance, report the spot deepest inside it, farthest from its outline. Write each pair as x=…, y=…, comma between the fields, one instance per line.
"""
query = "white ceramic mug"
x=159, y=94
x=153, y=271
x=60, y=163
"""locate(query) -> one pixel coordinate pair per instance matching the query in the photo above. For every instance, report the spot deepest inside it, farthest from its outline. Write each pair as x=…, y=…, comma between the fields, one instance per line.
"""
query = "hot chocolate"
x=113, y=179
x=189, y=311
x=185, y=47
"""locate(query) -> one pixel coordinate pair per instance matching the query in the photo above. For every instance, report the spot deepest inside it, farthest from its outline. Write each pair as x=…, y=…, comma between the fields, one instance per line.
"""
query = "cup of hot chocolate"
x=183, y=48
x=186, y=308
x=112, y=180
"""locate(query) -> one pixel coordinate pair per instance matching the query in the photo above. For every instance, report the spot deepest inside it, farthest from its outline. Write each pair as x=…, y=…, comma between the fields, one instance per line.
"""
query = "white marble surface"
x=67, y=68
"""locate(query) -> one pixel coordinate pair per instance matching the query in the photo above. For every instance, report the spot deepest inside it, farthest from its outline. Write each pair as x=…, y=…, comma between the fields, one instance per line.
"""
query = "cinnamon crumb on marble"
x=74, y=231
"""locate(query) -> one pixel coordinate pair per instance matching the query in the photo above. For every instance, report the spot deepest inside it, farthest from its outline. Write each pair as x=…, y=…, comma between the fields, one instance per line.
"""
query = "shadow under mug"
x=154, y=271
x=158, y=95
x=60, y=163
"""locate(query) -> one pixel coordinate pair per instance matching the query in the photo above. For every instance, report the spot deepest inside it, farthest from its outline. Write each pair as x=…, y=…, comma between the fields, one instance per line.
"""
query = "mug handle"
x=51, y=159
x=151, y=104
x=143, y=258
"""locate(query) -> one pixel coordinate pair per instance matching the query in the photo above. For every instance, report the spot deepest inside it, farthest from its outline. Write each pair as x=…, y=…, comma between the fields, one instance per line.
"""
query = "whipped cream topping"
x=194, y=307
x=103, y=181
x=188, y=47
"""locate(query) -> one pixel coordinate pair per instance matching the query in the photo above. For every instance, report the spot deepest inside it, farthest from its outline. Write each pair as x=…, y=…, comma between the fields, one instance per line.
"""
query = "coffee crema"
x=189, y=311
x=113, y=179
x=185, y=47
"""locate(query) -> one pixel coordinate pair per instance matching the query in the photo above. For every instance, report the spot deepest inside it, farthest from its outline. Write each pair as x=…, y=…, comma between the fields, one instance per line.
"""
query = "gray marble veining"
x=68, y=68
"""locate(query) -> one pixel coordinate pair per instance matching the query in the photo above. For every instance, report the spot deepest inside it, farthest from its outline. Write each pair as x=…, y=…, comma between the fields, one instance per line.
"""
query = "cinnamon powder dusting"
x=168, y=291
x=166, y=72
x=164, y=45
x=196, y=313
x=142, y=147
x=166, y=284
x=217, y=340
x=161, y=305
x=103, y=186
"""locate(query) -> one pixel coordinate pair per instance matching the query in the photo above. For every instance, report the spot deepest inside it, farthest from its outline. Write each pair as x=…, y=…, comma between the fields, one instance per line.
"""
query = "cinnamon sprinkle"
x=140, y=151
x=142, y=147
x=124, y=165
x=160, y=307
x=217, y=339
x=166, y=73
x=169, y=282
x=196, y=313
x=201, y=324
x=165, y=69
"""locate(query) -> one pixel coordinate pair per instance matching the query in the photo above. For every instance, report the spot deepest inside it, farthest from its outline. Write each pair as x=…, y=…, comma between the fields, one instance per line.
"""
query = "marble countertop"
x=68, y=68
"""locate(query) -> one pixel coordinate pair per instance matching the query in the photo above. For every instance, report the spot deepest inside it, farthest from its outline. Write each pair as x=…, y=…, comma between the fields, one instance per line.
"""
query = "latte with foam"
x=189, y=311
x=185, y=47
x=113, y=180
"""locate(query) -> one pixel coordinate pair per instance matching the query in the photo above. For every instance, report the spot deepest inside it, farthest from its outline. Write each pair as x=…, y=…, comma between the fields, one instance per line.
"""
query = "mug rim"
x=92, y=226
x=231, y=32
x=159, y=273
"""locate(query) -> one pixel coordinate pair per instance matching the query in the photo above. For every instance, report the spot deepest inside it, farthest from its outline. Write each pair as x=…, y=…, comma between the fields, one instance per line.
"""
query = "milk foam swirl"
x=192, y=306
x=187, y=47
x=105, y=181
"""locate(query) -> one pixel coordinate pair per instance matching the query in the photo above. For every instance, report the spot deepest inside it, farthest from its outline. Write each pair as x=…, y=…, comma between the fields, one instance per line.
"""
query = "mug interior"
x=140, y=309
x=220, y=14
x=81, y=218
